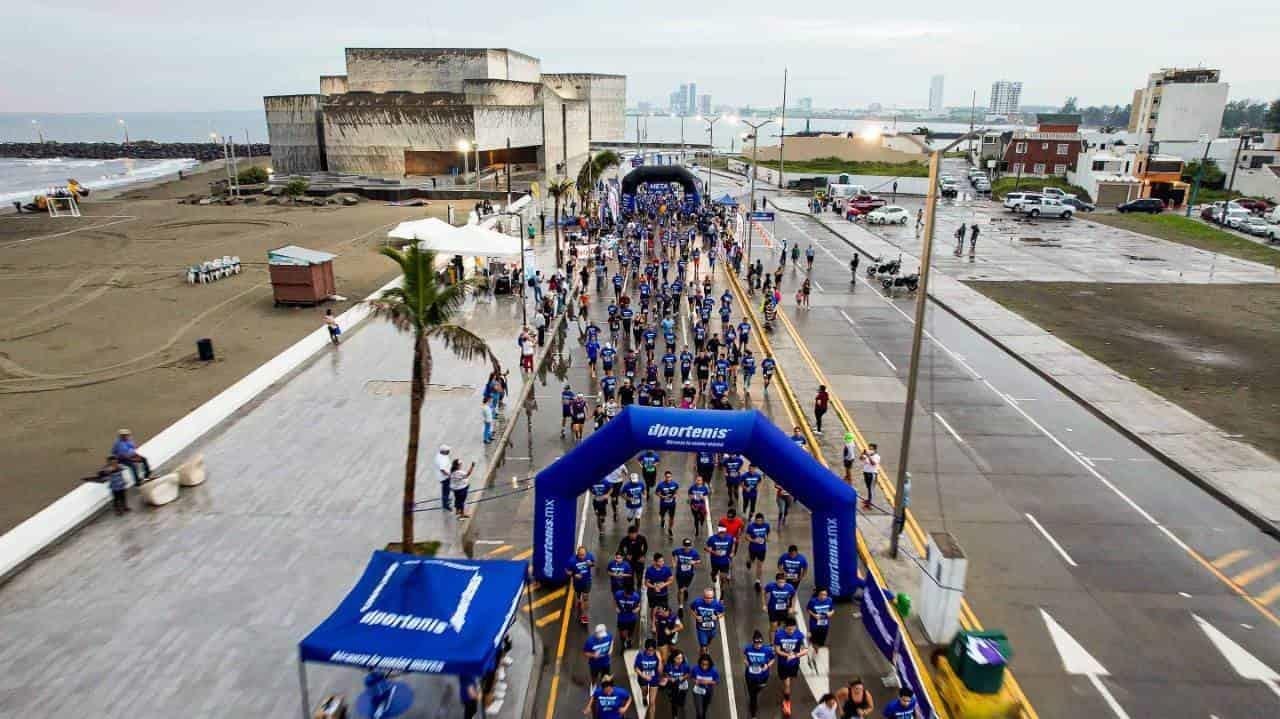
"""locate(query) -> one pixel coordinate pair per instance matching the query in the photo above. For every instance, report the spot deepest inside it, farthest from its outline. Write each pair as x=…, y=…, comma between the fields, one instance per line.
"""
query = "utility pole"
x=564, y=143
x=755, y=143
x=711, y=150
x=913, y=372
x=248, y=146
x=1195, y=188
x=782, y=133
x=1236, y=163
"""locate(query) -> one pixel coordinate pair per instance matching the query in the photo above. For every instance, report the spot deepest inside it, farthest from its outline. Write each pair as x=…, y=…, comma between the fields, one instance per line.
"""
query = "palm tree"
x=559, y=190
x=594, y=170
x=425, y=306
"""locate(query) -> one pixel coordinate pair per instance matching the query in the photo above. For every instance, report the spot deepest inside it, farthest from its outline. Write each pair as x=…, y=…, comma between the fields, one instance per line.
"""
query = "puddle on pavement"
x=401, y=388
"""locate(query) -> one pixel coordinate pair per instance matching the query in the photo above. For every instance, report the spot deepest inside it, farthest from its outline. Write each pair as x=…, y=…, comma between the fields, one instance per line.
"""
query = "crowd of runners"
x=654, y=274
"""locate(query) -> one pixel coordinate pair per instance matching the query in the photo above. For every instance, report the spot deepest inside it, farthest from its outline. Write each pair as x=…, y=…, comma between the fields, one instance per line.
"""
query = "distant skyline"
x=181, y=55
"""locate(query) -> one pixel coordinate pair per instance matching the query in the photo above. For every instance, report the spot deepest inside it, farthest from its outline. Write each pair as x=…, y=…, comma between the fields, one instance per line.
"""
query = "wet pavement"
x=1056, y=510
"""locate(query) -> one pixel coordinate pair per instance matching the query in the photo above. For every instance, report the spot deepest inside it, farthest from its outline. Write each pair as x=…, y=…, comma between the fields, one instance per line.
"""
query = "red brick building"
x=1049, y=150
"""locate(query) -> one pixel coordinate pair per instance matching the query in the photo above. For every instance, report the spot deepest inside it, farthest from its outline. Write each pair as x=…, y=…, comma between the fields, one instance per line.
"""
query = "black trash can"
x=204, y=348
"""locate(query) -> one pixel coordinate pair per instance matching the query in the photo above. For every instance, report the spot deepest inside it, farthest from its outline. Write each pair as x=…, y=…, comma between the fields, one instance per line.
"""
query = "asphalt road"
x=1062, y=518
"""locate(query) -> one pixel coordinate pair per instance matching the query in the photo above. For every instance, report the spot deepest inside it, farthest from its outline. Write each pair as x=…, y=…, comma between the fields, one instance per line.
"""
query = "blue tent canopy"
x=727, y=200
x=418, y=614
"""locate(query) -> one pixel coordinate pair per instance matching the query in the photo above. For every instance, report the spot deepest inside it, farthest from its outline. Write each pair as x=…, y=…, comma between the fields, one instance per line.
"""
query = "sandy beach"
x=99, y=326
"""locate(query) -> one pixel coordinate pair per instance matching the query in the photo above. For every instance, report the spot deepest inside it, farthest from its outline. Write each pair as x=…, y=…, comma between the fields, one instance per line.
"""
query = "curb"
x=1267, y=526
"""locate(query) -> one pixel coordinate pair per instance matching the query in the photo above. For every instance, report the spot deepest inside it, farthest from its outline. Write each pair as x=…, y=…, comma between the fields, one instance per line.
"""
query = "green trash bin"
x=979, y=659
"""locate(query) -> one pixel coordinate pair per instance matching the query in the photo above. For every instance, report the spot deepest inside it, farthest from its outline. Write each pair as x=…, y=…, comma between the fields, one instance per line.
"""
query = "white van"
x=840, y=193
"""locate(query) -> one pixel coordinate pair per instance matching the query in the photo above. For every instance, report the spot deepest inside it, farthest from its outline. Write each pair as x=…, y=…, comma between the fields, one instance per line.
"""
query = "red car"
x=1257, y=207
x=863, y=204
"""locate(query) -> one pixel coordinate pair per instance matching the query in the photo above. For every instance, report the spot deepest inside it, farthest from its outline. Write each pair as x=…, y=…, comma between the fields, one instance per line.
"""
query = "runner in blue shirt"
x=748, y=362
x=617, y=286
x=779, y=596
x=627, y=603
x=904, y=707
x=649, y=470
x=720, y=550
x=686, y=364
x=593, y=351
x=633, y=492
x=797, y=436
x=793, y=565
x=579, y=571
x=726, y=316
x=686, y=559
x=788, y=644
x=732, y=463
x=567, y=396
x=600, y=502
x=819, y=610
x=719, y=393
x=669, y=365
x=699, y=336
x=757, y=532
x=628, y=315
x=657, y=581
x=648, y=667
x=668, y=491
x=705, y=679
x=609, y=702
x=607, y=356
x=767, y=366
x=621, y=576
x=759, y=659
x=676, y=674
x=629, y=363
x=744, y=332
x=650, y=342
x=609, y=386
x=706, y=612
x=751, y=480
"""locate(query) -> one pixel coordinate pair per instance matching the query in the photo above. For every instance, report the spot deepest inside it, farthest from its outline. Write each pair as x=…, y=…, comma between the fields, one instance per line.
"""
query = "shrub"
x=252, y=176
x=296, y=188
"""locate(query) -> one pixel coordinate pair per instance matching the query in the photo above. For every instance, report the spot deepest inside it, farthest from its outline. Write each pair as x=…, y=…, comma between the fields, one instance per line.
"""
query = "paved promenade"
x=196, y=608
x=1246, y=475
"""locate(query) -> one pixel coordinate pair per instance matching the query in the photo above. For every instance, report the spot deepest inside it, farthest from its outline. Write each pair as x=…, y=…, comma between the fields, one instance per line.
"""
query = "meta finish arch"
x=660, y=174
x=833, y=503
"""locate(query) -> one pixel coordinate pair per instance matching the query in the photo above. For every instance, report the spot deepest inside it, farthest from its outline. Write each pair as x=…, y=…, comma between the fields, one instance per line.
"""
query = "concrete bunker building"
x=401, y=112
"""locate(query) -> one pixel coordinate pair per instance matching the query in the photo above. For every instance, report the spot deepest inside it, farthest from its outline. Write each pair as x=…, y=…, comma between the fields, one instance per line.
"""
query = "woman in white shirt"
x=826, y=708
x=460, y=482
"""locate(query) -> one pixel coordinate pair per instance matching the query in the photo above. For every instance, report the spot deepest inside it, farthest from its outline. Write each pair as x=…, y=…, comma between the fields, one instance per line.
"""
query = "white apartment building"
x=935, y=94
x=1005, y=97
x=1178, y=106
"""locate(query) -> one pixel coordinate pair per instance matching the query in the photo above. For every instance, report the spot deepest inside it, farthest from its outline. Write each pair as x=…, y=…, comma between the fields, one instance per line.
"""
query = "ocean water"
x=158, y=126
x=23, y=179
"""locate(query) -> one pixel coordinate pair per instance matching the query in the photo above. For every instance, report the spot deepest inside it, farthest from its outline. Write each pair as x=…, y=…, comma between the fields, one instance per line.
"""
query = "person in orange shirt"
x=734, y=525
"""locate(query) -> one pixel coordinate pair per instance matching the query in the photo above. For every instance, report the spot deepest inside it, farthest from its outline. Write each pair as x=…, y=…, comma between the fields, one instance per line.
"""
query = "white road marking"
x=724, y=646
x=15, y=243
x=629, y=656
x=1053, y=542
x=886, y=361
x=1077, y=660
x=948, y=427
x=815, y=284
x=1241, y=661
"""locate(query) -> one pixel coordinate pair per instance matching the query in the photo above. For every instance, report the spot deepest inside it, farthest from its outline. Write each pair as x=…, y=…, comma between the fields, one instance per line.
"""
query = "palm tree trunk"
x=418, y=383
x=558, y=260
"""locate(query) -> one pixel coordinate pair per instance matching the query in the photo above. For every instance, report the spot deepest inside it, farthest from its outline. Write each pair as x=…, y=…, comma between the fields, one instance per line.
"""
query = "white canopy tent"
x=421, y=230
x=469, y=240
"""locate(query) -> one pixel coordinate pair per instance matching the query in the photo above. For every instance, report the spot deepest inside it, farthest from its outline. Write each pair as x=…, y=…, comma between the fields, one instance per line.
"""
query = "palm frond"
x=462, y=342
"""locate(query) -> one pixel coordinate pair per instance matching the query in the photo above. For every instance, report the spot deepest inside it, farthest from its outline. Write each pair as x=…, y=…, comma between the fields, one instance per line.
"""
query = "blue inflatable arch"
x=832, y=503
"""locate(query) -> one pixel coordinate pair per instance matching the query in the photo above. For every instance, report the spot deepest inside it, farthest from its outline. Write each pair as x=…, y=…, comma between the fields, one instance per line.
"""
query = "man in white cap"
x=444, y=466
x=126, y=451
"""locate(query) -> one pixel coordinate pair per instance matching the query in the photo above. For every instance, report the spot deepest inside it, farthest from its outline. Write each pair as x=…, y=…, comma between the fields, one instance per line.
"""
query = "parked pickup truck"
x=1045, y=206
x=1055, y=193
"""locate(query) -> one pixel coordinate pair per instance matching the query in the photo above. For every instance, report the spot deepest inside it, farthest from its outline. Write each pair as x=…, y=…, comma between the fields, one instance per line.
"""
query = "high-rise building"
x=1178, y=105
x=691, y=100
x=704, y=105
x=935, y=94
x=680, y=101
x=1005, y=96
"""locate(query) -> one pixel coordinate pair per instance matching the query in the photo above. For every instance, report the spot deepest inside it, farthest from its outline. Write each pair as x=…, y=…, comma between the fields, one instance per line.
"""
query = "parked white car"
x=1013, y=200
x=1046, y=206
x=1055, y=193
x=889, y=215
x=1255, y=226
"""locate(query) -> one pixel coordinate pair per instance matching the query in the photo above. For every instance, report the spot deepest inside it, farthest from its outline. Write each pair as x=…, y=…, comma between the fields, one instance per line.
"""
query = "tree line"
x=1237, y=115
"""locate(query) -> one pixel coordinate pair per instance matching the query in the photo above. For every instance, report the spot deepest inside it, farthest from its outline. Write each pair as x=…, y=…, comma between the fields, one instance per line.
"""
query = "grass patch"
x=1009, y=183
x=1193, y=232
x=834, y=165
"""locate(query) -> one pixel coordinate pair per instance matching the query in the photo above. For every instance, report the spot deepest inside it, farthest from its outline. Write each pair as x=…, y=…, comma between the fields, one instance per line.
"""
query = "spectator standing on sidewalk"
x=540, y=324
x=820, y=403
x=848, y=455
x=960, y=239
x=870, y=468
x=460, y=482
x=444, y=464
x=486, y=416
x=114, y=475
x=919, y=220
x=973, y=240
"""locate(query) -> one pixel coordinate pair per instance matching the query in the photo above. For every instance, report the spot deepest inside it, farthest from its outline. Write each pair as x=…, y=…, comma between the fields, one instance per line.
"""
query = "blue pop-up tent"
x=727, y=200
x=418, y=614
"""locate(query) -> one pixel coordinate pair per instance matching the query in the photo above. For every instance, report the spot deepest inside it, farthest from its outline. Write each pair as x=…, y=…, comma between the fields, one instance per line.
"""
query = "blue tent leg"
x=302, y=684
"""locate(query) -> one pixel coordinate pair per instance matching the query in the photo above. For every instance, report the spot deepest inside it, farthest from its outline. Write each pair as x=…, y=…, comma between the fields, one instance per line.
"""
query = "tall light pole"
x=755, y=143
x=913, y=372
x=782, y=131
x=711, y=152
x=682, y=150
x=124, y=125
x=1195, y=188
x=39, y=130
x=1244, y=134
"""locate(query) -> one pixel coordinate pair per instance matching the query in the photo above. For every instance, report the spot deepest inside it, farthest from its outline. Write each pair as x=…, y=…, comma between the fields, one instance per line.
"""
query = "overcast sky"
x=153, y=55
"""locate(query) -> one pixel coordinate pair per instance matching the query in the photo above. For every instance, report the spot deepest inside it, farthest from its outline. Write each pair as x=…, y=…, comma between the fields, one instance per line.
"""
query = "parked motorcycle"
x=880, y=270
x=910, y=282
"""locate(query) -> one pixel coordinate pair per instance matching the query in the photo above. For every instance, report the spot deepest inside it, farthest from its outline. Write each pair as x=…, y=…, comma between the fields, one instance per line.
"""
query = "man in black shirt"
x=627, y=393
x=634, y=547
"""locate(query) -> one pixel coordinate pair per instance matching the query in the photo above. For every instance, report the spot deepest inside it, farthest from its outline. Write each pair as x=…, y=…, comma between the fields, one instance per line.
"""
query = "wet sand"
x=99, y=326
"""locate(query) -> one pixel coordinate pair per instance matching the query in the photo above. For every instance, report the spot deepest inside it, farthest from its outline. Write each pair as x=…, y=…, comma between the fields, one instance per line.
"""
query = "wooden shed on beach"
x=300, y=276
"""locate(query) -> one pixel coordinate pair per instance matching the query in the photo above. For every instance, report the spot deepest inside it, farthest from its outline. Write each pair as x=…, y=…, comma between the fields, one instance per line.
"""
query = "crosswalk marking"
x=1261, y=570
x=499, y=550
x=544, y=621
x=1270, y=595
x=523, y=555
x=1230, y=558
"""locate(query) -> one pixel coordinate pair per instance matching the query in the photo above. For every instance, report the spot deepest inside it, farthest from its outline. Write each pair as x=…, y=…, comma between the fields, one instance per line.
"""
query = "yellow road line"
x=1230, y=558
x=523, y=555
x=1247, y=576
x=547, y=599
x=499, y=550
x=798, y=418
x=564, y=638
x=913, y=530
x=544, y=621
x=1270, y=595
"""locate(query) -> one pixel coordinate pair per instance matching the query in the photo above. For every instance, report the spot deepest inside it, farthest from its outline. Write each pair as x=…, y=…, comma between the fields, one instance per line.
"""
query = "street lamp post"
x=913, y=372
x=755, y=143
x=711, y=143
x=1195, y=188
